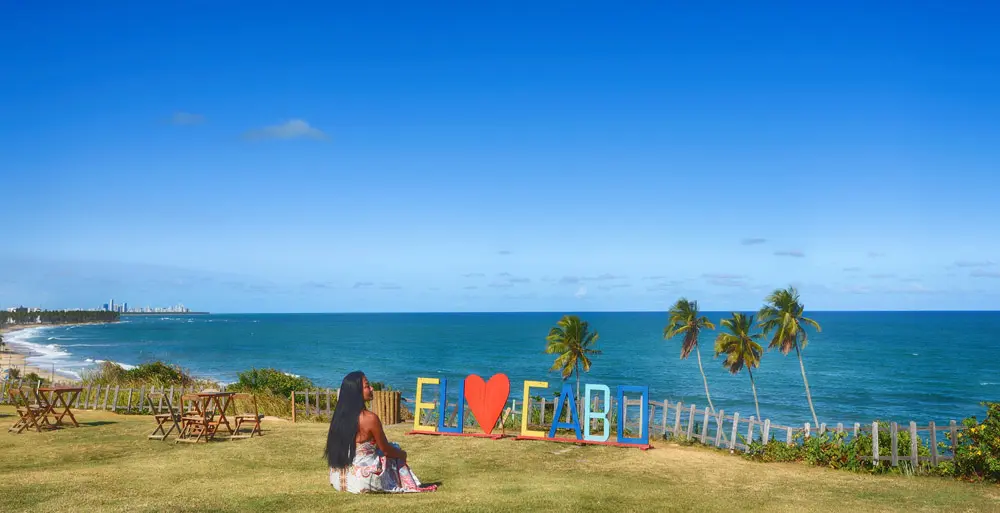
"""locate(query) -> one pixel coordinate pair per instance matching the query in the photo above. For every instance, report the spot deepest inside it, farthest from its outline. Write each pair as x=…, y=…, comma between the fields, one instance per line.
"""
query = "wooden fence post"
x=736, y=423
x=750, y=434
x=114, y=403
x=788, y=437
x=704, y=426
x=767, y=431
x=293, y=405
x=719, y=419
x=893, y=432
x=875, y=444
x=666, y=410
x=677, y=421
x=934, y=448
x=914, y=456
x=807, y=431
x=857, y=429
x=690, y=430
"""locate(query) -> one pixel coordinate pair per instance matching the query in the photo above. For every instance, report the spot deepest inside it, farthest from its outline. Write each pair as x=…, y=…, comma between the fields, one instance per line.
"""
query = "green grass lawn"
x=109, y=465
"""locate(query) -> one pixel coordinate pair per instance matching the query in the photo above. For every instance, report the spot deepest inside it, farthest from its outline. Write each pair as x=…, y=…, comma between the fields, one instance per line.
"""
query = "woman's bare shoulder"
x=368, y=418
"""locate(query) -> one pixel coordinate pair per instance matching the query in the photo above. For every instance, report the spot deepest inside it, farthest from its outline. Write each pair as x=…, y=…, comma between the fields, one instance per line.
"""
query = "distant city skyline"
x=344, y=158
x=123, y=307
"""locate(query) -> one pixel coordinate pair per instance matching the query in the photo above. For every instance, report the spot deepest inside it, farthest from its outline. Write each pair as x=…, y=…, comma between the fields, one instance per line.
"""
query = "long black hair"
x=344, y=424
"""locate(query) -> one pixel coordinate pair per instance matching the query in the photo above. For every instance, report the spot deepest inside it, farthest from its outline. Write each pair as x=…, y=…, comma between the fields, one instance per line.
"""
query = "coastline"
x=16, y=358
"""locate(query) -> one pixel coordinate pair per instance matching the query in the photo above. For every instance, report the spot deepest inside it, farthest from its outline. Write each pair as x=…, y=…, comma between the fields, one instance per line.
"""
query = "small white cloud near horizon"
x=291, y=129
x=582, y=291
x=974, y=263
x=187, y=118
x=790, y=253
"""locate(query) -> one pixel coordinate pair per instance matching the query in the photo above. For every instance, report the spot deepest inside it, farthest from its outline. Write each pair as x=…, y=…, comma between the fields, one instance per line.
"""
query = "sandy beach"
x=11, y=358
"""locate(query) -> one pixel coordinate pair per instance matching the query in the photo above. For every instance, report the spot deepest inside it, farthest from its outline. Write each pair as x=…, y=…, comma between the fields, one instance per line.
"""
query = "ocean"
x=863, y=366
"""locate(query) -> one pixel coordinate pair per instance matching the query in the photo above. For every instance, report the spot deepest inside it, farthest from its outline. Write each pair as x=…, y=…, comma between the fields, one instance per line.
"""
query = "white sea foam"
x=44, y=353
x=988, y=383
x=292, y=375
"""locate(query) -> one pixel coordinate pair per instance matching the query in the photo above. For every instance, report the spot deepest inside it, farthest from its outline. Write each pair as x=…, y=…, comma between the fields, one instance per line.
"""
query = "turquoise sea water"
x=863, y=365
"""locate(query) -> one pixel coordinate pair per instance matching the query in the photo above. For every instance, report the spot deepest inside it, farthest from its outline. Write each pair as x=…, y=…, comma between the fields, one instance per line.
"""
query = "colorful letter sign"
x=486, y=400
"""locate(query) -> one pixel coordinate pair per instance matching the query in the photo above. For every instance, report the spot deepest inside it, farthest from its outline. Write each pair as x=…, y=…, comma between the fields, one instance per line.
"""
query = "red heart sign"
x=486, y=400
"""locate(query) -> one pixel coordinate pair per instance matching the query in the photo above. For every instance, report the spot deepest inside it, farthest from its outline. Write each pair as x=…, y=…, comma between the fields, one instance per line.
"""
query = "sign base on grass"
x=644, y=447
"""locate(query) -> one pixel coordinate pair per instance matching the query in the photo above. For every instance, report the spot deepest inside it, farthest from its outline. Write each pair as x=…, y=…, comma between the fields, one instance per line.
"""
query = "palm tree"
x=782, y=314
x=683, y=318
x=741, y=348
x=572, y=340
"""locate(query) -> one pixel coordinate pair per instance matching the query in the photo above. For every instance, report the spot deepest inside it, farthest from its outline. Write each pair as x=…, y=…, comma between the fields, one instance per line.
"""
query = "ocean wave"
x=988, y=383
x=42, y=353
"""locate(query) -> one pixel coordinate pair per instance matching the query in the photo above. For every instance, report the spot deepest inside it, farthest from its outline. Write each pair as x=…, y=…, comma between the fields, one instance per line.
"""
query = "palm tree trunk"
x=806, y=382
x=702, y=369
x=754, y=387
x=578, y=393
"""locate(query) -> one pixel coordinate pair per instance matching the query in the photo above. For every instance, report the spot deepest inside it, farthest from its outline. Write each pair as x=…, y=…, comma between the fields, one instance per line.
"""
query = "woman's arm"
x=371, y=423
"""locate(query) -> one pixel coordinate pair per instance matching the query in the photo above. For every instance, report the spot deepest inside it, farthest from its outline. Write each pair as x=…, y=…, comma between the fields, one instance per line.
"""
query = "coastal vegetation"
x=573, y=341
x=105, y=465
x=156, y=373
x=270, y=381
x=741, y=348
x=783, y=315
x=685, y=319
x=27, y=316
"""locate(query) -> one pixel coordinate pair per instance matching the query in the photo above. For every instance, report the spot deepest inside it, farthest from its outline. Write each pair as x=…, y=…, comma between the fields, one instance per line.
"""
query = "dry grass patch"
x=109, y=465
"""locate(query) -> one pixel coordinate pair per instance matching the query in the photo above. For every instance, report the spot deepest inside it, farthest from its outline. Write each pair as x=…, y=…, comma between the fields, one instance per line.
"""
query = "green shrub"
x=270, y=380
x=32, y=378
x=155, y=373
x=978, y=451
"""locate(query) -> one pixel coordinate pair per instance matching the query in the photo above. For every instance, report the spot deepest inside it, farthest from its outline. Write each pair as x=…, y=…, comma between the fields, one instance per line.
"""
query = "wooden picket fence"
x=320, y=401
x=736, y=433
x=112, y=397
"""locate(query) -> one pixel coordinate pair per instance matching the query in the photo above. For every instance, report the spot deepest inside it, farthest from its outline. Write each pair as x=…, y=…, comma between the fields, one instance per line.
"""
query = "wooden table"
x=56, y=397
x=221, y=401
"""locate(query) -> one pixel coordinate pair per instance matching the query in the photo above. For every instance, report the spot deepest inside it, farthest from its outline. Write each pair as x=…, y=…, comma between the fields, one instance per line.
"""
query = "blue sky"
x=507, y=156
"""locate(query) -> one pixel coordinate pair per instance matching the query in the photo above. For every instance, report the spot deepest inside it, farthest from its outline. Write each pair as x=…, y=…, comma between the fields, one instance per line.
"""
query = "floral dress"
x=372, y=471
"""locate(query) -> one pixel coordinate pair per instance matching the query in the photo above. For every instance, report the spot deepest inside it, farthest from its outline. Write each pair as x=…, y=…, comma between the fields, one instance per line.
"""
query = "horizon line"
x=388, y=312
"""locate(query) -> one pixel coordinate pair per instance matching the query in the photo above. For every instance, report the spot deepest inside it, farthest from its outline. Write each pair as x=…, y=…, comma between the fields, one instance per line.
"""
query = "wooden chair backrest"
x=19, y=397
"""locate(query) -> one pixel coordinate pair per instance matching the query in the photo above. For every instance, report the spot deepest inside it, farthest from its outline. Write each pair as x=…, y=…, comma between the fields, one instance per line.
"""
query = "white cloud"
x=790, y=253
x=187, y=118
x=974, y=263
x=582, y=291
x=291, y=129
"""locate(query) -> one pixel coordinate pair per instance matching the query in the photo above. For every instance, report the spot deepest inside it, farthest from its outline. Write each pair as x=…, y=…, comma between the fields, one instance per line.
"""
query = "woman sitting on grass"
x=361, y=460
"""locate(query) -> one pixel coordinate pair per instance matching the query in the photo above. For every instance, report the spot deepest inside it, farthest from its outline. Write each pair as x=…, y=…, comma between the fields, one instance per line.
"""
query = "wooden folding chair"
x=29, y=415
x=171, y=419
x=252, y=417
x=195, y=423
